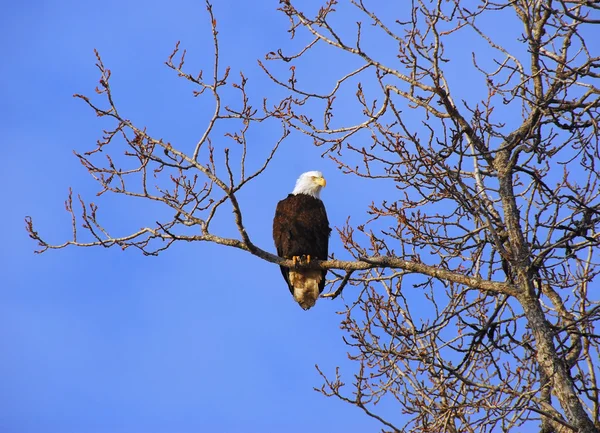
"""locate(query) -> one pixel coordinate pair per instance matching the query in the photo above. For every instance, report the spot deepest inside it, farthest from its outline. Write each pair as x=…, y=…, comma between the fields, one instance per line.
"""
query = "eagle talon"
x=308, y=258
x=296, y=260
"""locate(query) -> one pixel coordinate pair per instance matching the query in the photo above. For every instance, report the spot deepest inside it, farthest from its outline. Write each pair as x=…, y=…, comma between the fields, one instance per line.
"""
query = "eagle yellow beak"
x=321, y=181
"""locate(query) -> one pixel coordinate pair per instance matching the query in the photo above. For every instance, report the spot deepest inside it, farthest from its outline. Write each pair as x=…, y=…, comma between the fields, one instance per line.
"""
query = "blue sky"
x=202, y=338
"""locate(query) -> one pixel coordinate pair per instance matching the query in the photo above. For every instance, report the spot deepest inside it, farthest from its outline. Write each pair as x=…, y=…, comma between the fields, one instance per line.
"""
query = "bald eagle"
x=301, y=233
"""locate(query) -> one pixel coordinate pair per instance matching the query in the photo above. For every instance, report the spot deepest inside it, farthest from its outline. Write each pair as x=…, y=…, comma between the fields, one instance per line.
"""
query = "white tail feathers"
x=306, y=287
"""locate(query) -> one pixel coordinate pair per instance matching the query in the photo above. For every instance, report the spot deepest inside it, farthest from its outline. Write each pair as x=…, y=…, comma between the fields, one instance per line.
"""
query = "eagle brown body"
x=301, y=230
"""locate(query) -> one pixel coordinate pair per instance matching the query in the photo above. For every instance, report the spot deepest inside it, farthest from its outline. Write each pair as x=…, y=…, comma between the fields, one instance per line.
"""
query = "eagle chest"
x=301, y=227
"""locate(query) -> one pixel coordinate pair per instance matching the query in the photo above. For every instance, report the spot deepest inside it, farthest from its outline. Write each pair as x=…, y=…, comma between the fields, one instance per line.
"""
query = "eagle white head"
x=310, y=183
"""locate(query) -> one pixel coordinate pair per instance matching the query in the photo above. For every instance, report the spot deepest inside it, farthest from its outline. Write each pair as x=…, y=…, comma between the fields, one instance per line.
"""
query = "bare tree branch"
x=491, y=218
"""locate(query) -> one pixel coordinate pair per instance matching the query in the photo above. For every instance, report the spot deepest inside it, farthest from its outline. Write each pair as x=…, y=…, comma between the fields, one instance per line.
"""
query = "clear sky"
x=201, y=338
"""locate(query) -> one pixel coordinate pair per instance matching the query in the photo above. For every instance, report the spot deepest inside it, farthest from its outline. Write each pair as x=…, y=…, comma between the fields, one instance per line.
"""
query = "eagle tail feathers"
x=306, y=287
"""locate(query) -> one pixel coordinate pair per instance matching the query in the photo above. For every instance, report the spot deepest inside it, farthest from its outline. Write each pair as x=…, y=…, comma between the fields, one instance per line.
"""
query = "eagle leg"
x=301, y=260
